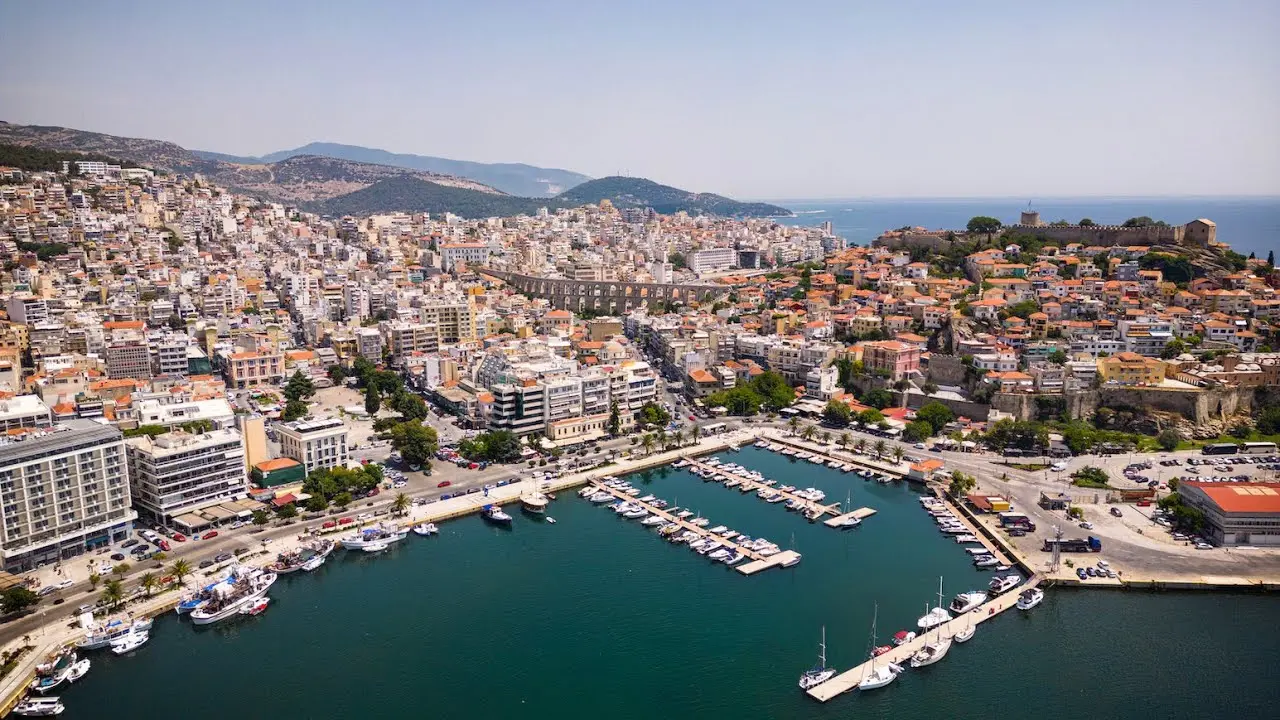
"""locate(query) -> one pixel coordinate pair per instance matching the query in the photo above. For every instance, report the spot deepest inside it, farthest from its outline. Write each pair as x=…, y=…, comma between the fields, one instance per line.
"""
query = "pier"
x=858, y=514
x=848, y=680
x=748, y=485
x=775, y=442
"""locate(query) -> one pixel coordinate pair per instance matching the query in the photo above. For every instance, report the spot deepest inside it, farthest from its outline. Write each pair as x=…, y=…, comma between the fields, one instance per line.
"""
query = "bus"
x=1258, y=448
x=1220, y=449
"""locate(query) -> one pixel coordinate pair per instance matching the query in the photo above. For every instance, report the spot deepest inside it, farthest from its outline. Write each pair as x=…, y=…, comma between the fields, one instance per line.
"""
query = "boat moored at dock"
x=228, y=599
x=385, y=533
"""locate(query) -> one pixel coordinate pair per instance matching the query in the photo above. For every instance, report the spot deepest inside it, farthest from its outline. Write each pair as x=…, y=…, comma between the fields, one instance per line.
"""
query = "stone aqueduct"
x=609, y=297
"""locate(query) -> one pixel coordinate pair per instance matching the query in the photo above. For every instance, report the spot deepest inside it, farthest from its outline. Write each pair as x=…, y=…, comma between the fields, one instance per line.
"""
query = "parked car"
x=1116, y=511
x=328, y=524
x=1203, y=546
x=444, y=484
x=345, y=521
x=210, y=535
x=205, y=563
x=117, y=556
x=129, y=543
x=179, y=537
x=1080, y=573
x=1086, y=525
x=163, y=545
x=223, y=557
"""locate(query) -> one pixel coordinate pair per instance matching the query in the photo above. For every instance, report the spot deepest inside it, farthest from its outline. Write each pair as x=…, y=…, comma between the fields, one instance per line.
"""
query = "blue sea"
x=1248, y=224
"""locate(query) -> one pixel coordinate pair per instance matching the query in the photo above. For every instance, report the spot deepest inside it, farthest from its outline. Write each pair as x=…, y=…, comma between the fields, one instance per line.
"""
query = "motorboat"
x=848, y=523
x=96, y=638
x=964, y=602
x=966, y=634
x=820, y=673
x=635, y=513
x=587, y=491
x=130, y=642
x=39, y=707
x=383, y=533
x=985, y=561
x=315, y=562
x=375, y=547
x=648, y=498
x=651, y=521
x=1030, y=598
x=248, y=586
x=257, y=607
x=495, y=515
x=700, y=522
x=961, y=539
x=1004, y=583
x=719, y=554
x=51, y=674
x=733, y=558
x=718, y=529
x=931, y=653
x=791, y=561
x=937, y=615
x=551, y=520
x=425, y=529
x=903, y=636
x=78, y=670
x=601, y=497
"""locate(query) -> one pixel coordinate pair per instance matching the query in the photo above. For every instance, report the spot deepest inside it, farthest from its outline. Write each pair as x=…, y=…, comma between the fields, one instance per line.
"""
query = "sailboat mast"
x=822, y=655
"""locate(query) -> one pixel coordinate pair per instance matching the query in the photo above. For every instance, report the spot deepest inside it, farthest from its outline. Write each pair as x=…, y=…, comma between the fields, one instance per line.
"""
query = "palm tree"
x=148, y=582
x=898, y=452
x=647, y=442
x=861, y=445
x=113, y=593
x=662, y=438
x=844, y=440
x=793, y=423
x=809, y=432
x=121, y=569
x=94, y=579
x=180, y=569
x=400, y=505
x=826, y=437
x=880, y=448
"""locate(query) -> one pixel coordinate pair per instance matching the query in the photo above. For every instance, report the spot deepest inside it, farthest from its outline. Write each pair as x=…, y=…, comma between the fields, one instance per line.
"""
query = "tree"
x=878, y=398
x=1168, y=439
x=121, y=569
x=372, y=399
x=94, y=579
x=651, y=413
x=936, y=414
x=917, y=431
x=961, y=485
x=983, y=225
x=293, y=410
x=647, y=443
x=1173, y=349
x=416, y=443
x=861, y=445
x=837, y=413
x=615, y=420
x=844, y=440
x=299, y=387
x=180, y=569
x=1057, y=357
x=1090, y=477
x=400, y=505
x=898, y=453
x=148, y=582
x=287, y=512
x=316, y=503
x=930, y=387
x=113, y=593
x=1086, y=222
x=409, y=405
x=773, y=390
x=1241, y=431
x=825, y=437
x=337, y=373
x=16, y=599
x=342, y=499
x=1269, y=420
x=793, y=424
x=880, y=447
x=1271, y=258
x=1141, y=221
x=870, y=416
x=808, y=432
x=260, y=518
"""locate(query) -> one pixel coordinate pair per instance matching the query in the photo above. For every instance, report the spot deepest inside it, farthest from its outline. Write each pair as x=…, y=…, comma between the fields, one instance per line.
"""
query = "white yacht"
x=601, y=497
x=381, y=533
x=425, y=529
x=39, y=707
x=964, y=602
x=635, y=513
x=651, y=521
x=820, y=673
x=1004, y=583
x=1030, y=598
x=131, y=641
x=315, y=562
x=228, y=599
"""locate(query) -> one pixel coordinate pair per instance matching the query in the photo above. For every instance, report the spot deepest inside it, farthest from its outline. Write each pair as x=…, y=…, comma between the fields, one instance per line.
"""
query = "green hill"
x=628, y=192
x=414, y=195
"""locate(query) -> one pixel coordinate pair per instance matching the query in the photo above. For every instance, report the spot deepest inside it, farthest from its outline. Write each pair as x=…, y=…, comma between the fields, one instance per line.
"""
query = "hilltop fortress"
x=1200, y=232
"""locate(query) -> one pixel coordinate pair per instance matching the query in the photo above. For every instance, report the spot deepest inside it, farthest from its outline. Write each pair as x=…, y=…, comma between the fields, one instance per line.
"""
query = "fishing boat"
x=1004, y=583
x=229, y=598
x=39, y=707
x=877, y=677
x=936, y=616
x=903, y=636
x=964, y=602
x=53, y=673
x=425, y=529
x=130, y=642
x=383, y=533
x=257, y=607
x=1030, y=598
x=96, y=637
x=495, y=515
x=820, y=673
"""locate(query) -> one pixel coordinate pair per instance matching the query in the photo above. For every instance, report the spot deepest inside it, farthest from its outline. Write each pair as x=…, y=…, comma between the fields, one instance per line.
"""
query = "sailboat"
x=966, y=634
x=849, y=522
x=795, y=558
x=877, y=677
x=820, y=672
x=934, y=651
x=935, y=617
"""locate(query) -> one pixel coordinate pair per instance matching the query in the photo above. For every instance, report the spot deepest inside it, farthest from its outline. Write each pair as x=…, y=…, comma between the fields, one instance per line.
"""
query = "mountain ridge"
x=632, y=192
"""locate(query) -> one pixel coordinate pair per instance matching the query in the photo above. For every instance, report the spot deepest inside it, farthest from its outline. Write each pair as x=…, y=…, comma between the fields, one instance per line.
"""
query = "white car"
x=1058, y=466
x=1203, y=546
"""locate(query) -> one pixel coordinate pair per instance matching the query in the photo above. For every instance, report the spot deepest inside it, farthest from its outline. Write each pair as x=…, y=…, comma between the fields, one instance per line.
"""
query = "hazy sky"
x=840, y=98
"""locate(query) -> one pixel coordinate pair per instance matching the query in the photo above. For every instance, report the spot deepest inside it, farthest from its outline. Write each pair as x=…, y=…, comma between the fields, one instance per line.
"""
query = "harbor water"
x=596, y=616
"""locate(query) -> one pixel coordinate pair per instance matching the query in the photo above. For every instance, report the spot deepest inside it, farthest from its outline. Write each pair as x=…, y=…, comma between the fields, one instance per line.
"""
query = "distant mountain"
x=510, y=178
x=299, y=178
x=414, y=195
x=628, y=192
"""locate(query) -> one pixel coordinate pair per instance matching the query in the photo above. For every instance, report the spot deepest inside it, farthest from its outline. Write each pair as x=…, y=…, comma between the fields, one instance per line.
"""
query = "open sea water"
x=595, y=616
x=1248, y=224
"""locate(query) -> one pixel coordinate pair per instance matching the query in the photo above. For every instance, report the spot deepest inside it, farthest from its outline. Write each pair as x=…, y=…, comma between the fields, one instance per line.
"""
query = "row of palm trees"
x=668, y=441
x=113, y=593
x=880, y=447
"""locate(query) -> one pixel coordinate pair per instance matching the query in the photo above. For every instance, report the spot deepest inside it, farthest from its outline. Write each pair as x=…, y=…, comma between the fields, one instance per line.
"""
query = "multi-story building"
x=1238, y=513
x=712, y=259
x=519, y=408
x=1129, y=368
x=369, y=343
x=169, y=356
x=62, y=493
x=408, y=338
x=454, y=254
x=314, y=443
x=244, y=369
x=898, y=359
x=453, y=320
x=24, y=411
x=131, y=359
x=27, y=309
x=180, y=472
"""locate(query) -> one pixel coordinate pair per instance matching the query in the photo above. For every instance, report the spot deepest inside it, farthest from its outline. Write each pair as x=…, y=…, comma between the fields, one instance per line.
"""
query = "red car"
x=444, y=483
x=329, y=524
x=473, y=466
x=179, y=537
x=210, y=535
x=163, y=544
x=344, y=521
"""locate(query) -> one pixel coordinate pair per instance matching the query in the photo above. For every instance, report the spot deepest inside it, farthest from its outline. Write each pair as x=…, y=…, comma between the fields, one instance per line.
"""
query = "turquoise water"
x=595, y=616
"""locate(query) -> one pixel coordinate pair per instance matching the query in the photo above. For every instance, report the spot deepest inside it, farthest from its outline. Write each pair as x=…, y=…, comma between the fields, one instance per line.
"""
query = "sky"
x=784, y=100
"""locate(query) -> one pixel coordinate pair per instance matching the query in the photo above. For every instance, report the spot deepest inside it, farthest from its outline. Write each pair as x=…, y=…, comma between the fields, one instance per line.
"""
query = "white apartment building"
x=518, y=408
x=24, y=411
x=180, y=472
x=27, y=309
x=369, y=343
x=62, y=493
x=314, y=443
x=453, y=319
x=169, y=355
x=454, y=254
x=154, y=411
x=712, y=259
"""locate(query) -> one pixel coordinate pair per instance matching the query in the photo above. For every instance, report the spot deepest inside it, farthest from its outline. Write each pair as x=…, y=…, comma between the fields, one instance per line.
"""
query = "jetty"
x=746, y=484
x=848, y=680
x=858, y=514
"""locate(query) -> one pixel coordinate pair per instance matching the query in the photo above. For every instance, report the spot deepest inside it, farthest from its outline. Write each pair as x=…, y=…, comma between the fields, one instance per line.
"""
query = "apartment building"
x=131, y=359
x=454, y=254
x=453, y=320
x=712, y=259
x=518, y=407
x=898, y=359
x=169, y=355
x=369, y=343
x=314, y=443
x=1129, y=368
x=180, y=472
x=245, y=369
x=27, y=309
x=24, y=411
x=62, y=493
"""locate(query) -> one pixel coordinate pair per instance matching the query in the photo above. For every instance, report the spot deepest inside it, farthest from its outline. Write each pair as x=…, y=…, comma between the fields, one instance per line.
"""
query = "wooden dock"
x=848, y=680
x=858, y=514
x=806, y=505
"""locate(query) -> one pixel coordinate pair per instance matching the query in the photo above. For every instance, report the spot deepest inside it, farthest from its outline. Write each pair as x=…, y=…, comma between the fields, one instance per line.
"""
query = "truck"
x=1016, y=520
x=1092, y=544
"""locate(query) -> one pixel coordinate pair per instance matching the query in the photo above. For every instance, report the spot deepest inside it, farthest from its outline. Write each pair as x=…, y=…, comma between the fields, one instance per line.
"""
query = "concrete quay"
x=859, y=514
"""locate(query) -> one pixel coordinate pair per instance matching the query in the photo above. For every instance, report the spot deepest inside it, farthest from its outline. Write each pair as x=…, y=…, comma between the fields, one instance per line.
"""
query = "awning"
x=191, y=521
x=217, y=513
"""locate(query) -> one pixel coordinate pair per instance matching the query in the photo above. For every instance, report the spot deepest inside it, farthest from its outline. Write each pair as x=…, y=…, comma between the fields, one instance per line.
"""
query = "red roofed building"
x=1236, y=513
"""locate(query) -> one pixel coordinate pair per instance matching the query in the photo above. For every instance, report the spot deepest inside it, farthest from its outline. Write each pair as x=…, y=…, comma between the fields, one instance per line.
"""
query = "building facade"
x=180, y=472
x=314, y=443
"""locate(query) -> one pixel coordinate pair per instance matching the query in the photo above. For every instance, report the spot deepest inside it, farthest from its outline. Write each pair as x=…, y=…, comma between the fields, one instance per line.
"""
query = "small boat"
x=931, y=653
x=39, y=707
x=1004, y=583
x=315, y=562
x=601, y=497
x=966, y=634
x=648, y=498
x=903, y=636
x=880, y=650
x=820, y=673
x=425, y=529
x=1030, y=598
x=964, y=602
x=257, y=607
x=878, y=677
x=551, y=520
x=985, y=561
x=651, y=521
x=373, y=547
x=494, y=514
x=635, y=513
x=130, y=642
x=78, y=670
x=791, y=561
x=718, y=529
